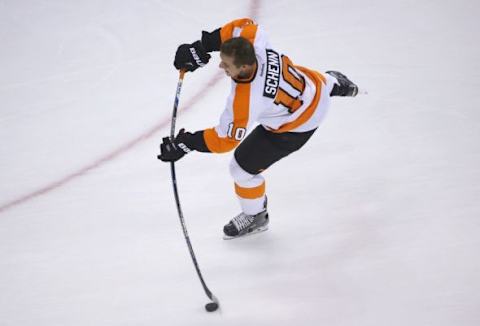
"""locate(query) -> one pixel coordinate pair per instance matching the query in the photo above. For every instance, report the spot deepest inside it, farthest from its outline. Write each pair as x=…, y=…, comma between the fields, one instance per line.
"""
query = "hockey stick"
x=211, y=306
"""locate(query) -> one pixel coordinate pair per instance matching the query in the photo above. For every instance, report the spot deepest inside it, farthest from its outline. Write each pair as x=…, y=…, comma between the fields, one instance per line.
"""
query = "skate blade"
x=259, y=230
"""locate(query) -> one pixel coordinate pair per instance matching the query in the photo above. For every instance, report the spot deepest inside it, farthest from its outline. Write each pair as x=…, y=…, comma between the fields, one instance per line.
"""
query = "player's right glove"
x=191, y=56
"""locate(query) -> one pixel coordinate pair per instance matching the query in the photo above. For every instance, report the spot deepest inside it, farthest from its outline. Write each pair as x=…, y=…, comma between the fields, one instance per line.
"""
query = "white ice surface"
x=375, y=222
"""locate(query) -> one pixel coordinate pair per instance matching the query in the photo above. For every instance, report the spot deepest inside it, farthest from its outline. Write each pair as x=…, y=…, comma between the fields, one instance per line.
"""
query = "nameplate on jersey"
x=272, y=77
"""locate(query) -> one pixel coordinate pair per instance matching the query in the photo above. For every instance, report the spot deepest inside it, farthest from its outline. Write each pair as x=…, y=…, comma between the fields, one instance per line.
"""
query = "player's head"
x=237, y=57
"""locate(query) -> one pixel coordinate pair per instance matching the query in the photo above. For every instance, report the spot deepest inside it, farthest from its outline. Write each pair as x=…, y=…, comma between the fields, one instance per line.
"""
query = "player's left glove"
x=173, y=150
x=191, y=56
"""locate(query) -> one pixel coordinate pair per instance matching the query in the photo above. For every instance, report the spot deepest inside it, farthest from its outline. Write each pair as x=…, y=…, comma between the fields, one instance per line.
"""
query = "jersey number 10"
x=294, y=79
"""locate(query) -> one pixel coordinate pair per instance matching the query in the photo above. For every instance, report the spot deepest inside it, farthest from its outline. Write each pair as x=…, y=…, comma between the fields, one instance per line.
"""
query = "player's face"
x=229, y=67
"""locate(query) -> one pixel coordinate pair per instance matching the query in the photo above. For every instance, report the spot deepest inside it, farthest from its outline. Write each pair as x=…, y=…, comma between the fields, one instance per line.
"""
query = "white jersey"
x=280, y=96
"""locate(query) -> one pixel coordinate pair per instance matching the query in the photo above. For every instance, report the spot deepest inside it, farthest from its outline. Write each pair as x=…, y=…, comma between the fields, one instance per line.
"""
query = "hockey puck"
x=212, y=306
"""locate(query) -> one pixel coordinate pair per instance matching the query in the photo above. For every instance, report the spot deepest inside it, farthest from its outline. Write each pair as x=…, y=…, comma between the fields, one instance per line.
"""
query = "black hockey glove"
x=191, y=56
x=172, y=151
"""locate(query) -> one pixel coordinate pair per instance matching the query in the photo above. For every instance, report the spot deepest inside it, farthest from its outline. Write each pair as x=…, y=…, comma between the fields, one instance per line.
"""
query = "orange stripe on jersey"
x=319, y=80
x=249, y=32
x=216, y=144
x=250, y=193
x=226, y=32
x=241, y=105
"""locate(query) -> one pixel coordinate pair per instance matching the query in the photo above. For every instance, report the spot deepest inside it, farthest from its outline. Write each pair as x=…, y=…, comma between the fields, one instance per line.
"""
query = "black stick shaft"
x=175, y=192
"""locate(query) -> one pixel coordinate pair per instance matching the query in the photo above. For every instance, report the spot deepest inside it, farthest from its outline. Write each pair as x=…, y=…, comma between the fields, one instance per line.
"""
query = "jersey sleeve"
x=244, y=27
x=237, y=116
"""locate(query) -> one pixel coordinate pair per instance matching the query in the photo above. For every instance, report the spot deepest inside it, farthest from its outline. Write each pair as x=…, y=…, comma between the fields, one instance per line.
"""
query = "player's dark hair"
x=240, y=49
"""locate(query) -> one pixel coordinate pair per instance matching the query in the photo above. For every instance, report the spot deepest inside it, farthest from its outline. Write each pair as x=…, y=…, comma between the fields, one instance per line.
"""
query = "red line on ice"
x=110, y=156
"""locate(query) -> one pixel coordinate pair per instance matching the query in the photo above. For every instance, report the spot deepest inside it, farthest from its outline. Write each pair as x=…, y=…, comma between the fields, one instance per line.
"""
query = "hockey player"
x=286, y=100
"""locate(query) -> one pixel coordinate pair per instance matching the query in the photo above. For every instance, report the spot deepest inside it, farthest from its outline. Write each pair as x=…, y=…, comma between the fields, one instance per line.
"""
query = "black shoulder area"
x=211, y=41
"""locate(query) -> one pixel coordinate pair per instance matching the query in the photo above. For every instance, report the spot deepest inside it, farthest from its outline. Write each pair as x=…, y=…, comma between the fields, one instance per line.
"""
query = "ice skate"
x=243, y=225
x=344, y=87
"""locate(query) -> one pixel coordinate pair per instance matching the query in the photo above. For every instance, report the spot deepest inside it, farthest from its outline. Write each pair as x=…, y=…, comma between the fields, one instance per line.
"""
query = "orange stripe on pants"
x=250, y=193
